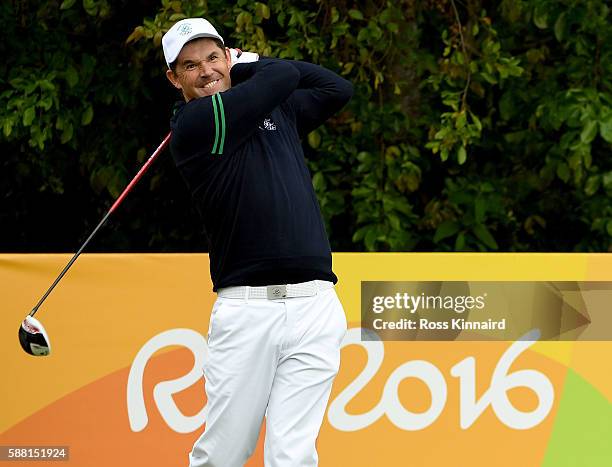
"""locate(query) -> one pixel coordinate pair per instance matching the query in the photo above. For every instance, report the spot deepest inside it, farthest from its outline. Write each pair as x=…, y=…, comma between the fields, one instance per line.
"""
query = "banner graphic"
x=123, y=384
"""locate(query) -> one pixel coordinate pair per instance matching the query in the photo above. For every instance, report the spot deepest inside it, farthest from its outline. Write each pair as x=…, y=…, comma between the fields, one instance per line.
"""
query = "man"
x=277, y=324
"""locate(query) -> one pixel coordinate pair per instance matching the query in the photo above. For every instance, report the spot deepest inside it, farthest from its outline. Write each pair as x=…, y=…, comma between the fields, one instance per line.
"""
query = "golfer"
x=277, y=324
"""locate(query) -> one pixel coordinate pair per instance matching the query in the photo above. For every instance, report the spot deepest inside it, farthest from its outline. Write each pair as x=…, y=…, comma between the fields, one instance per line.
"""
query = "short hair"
x=214, y=39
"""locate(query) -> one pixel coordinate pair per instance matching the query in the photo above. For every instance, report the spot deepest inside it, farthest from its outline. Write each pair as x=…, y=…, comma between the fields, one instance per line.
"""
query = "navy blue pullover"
x=240, y=154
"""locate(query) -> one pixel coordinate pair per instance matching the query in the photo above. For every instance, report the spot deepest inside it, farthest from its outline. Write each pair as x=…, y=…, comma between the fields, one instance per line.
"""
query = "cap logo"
x=184, y=29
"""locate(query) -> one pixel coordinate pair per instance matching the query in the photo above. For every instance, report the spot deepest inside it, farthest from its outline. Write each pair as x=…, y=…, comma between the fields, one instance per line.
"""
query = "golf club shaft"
x=127, y=189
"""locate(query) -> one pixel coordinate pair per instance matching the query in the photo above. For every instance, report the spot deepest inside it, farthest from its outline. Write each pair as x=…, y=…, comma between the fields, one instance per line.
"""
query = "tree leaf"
x=46, y=103
x=370, y=238
x=116, y=183
x=360, y=233
x=139, y=31
x=607, y=181
x=71, y=75
x=335, y=16
x=262, y=10
x=175, y=17
x=485, y=236
x=7, y=127
x=446, y=229
x=67, y=4
x=540, y=17
x=461, y=155
x=87, y=115
x=314, y=139
x=91, y=7
x=592, y=185
x=318, y=182
x=560, y=27
x=605, y=128
x=460, y=242
x=157, y=38
x=46, y=85
x=67, y=133
x=563, y=171
x=355, y=14
x=394, y=221
x=589, y=131
x=28, y=116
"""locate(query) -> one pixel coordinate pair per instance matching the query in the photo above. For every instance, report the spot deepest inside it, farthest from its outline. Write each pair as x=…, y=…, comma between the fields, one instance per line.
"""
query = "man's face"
x=202, y=69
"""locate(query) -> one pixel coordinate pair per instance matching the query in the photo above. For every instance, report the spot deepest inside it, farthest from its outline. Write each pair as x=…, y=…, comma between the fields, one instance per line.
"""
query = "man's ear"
x=228, y=57
x=173, y=79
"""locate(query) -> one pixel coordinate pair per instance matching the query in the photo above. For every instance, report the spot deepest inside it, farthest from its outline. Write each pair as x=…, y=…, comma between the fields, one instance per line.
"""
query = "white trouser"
x=276, y=358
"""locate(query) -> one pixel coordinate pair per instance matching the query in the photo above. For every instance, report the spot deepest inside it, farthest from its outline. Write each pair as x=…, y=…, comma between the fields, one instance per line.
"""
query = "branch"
x=465, y=54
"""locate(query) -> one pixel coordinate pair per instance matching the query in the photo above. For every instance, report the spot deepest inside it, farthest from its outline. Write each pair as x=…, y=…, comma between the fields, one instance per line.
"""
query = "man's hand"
x=238, y=56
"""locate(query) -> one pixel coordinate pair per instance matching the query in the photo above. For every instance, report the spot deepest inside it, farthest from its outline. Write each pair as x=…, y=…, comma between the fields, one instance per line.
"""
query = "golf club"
x=32, y=335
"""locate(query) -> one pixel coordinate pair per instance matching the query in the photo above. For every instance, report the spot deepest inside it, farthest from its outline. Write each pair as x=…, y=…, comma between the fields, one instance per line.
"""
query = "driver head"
x=33, y=337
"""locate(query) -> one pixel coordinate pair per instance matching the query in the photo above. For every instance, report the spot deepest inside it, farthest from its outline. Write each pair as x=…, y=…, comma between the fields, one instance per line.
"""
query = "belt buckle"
x=275, y=292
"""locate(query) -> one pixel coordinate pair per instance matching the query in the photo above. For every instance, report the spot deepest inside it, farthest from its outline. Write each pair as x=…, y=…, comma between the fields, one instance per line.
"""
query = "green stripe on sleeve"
x=222, y=112
x=214, y=101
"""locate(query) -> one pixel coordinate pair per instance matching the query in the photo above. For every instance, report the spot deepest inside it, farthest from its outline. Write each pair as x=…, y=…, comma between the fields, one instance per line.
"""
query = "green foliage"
x=474, y=126
x=75, y=114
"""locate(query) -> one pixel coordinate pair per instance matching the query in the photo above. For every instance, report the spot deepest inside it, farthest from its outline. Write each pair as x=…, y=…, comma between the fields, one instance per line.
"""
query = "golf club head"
x=33, y=337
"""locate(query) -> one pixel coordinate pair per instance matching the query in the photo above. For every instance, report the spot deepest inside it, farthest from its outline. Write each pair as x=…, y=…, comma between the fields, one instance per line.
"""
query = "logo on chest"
x=268, y=124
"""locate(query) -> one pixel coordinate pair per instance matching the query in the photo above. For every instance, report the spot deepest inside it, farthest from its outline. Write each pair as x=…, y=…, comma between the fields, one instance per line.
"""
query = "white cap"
x=182, y=32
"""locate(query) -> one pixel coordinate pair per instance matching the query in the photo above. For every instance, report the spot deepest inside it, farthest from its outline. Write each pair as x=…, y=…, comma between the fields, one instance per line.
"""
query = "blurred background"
x=475, y=126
